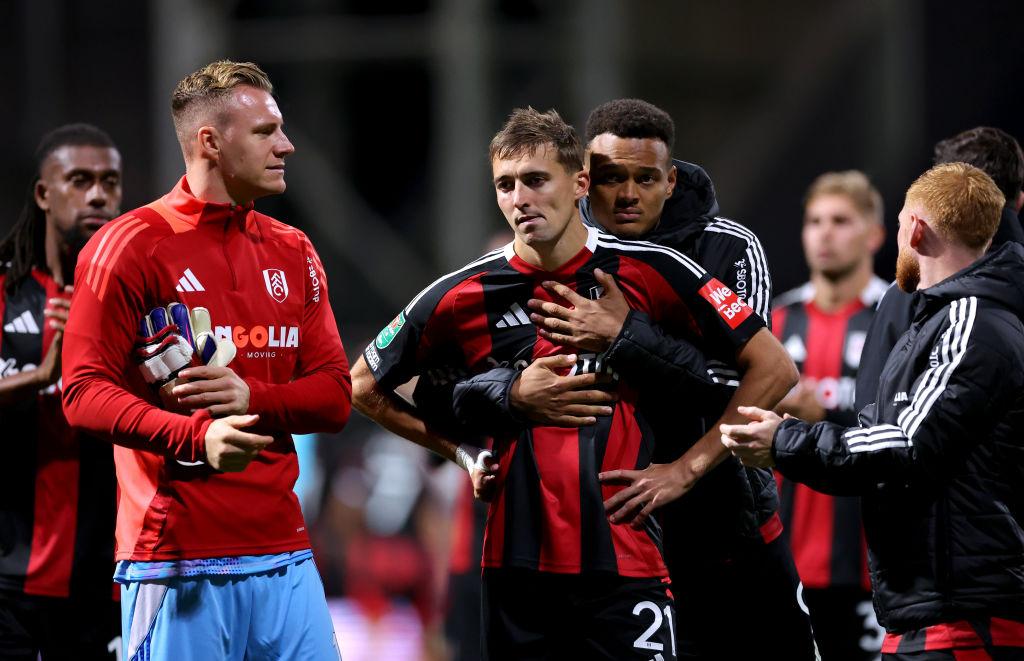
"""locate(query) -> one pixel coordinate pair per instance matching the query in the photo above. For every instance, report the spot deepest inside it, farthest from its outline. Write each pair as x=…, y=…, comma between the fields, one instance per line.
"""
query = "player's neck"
x=552, y=255
x=59, y=260
x=207, y=185
x=833, y=295
x=953, y=258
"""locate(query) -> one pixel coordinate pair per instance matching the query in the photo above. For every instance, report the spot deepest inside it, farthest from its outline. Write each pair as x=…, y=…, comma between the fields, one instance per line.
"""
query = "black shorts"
x=57, y=629
x=530, y=616
x=741, y=607
x=844, y=623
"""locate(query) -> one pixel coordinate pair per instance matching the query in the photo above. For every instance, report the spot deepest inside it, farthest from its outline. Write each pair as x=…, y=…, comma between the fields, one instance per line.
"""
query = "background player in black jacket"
x=57, y=498
x=822, y=324
x=999, y=155
x=938, y=458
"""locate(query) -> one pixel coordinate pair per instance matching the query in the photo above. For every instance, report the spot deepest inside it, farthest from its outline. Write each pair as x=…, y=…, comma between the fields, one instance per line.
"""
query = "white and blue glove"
x=174, y=338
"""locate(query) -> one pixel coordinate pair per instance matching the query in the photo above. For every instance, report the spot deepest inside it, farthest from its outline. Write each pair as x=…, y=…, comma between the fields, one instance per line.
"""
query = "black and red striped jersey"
x=977, y=634
x=57, y=487
x=825, y=532
x=549, y=513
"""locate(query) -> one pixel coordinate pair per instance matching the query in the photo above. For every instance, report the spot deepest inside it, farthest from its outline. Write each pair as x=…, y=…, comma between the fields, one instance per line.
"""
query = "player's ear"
x=208, y=142
x=582, y=183
x=876, y=237
x=39, y=193
x=917, y=230
x=671, y=180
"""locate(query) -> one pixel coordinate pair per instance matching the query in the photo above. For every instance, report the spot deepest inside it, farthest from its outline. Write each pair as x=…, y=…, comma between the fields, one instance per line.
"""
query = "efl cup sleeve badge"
x=276, y=284
x=385, y=337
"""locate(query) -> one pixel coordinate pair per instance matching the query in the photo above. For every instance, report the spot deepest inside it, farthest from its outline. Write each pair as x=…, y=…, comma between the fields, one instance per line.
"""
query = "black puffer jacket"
x=939, y=459
x=894, y=313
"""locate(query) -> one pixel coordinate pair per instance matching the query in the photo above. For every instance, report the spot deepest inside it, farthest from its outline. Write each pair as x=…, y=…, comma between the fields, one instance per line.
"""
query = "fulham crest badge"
x=277, y=286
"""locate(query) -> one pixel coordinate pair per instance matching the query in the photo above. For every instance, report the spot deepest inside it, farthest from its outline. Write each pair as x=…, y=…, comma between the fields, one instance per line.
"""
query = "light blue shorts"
x=277, y=614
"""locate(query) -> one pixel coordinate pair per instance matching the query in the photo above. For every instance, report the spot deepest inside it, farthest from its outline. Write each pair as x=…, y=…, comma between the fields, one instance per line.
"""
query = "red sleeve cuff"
x=257, y=396
x=201, y=421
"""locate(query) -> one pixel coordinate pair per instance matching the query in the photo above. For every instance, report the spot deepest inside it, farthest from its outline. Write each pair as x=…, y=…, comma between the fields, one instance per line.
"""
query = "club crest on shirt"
x=390, y=331
x=277, y=285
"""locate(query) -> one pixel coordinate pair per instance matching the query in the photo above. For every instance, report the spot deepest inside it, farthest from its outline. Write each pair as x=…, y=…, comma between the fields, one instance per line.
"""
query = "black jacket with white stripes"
x=939, y=458
x=892, y=317
x=732, y=507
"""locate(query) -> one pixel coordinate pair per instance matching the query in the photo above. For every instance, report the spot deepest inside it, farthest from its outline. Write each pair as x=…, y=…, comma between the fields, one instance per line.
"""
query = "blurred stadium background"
x=391, y=105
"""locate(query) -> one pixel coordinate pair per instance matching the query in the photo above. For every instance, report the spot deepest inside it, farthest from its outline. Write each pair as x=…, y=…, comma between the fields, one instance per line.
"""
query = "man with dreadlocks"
x=57, y=488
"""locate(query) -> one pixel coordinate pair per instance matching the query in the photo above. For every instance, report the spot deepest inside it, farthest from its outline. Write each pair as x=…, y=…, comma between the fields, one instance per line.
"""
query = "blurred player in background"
x=57, y=485
x=212, y=549
x=822, y=325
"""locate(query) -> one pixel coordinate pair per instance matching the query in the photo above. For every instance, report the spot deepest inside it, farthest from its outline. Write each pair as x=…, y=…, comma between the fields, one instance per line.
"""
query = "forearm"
x=20, y=387
x=843, y=461
x=318, y=402
x=643, y=354
x=394, y=415
x=105, y=409
x=766, y=380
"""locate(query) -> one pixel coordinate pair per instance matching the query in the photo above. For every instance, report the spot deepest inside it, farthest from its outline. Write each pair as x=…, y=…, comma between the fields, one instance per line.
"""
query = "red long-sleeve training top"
x=265, y=288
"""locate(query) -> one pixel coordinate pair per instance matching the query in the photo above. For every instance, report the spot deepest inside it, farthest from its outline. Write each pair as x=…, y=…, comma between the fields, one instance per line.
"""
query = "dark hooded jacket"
x=732, y=507
x=894, y=312
x=939, y=458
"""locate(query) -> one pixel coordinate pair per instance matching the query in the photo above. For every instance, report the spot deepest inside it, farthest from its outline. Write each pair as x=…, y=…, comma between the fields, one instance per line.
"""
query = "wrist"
x=201, y=422
x=513, y=403
x=255, y=398
x=470, y=458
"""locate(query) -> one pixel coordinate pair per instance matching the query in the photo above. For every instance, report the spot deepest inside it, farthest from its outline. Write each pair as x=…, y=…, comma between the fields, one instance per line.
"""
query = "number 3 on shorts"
x=661, y=616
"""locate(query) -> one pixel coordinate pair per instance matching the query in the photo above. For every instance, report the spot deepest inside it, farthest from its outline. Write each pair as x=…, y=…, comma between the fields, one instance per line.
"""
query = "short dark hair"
x=632, y=118
x=990, y=149
x=24, y=247
x=528, y=130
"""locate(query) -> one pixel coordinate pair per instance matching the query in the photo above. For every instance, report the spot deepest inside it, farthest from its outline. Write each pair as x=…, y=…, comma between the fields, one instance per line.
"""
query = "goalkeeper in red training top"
x=212, y=550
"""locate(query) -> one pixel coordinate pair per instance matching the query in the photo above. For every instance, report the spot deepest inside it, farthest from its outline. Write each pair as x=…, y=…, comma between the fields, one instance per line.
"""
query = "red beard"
x=908, y=271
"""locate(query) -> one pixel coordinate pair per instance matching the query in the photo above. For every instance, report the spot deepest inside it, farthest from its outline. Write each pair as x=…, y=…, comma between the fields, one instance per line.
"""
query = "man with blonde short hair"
x=938, y=459
x=202, y=338
x=823, y=324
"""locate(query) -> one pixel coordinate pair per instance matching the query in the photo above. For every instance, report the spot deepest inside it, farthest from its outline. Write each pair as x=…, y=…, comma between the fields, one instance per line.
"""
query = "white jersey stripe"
x=494, y=254
x=761, y=288
x=607, y=241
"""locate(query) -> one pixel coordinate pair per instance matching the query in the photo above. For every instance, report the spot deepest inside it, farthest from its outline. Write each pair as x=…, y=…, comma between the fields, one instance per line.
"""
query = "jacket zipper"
x=942, y=561
x=224, y=249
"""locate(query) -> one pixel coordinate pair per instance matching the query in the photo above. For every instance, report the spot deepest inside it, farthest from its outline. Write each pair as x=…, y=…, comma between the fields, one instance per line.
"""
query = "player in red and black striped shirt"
x=57, y=485
x=823, y=325
x=559, y=579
